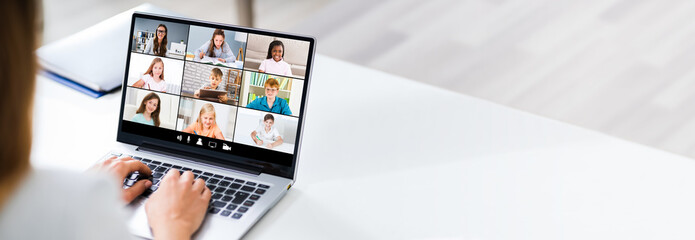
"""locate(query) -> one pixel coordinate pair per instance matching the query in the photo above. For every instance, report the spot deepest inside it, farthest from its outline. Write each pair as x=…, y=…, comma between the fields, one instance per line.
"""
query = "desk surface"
x=388, y=158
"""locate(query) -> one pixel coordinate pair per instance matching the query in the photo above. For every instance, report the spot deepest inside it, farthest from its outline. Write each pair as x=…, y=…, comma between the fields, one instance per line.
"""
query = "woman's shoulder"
x=64, y=204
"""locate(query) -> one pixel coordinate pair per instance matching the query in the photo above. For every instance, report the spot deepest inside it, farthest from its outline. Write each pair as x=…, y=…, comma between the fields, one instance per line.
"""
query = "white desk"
x=388, y=158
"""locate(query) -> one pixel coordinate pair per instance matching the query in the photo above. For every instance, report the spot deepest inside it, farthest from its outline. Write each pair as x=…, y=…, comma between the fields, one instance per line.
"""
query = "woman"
x=45, y=204
x=158, y=45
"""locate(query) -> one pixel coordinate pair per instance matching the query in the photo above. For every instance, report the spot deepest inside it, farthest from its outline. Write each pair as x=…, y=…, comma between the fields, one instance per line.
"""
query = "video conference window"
x=278, y=56
x=271, y=93
x=207, y=119
x=151, y=108
x=211, y=83
x=155, y=73
x=159, y=38
x=216, y=46
x=266, y=130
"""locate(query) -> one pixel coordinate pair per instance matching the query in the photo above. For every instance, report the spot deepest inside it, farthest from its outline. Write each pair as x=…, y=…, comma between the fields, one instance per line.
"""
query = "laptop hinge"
x=196, y=157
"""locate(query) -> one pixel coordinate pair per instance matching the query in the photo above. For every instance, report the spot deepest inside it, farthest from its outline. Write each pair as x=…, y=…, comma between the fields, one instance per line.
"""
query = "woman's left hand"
x=222, y=60
x=121, y=168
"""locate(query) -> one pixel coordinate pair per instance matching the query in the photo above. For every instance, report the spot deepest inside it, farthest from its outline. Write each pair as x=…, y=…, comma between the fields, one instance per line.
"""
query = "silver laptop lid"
x=255, y=126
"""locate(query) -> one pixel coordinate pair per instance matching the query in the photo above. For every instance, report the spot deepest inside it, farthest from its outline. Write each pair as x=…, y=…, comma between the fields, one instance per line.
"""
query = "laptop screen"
x=225, y=92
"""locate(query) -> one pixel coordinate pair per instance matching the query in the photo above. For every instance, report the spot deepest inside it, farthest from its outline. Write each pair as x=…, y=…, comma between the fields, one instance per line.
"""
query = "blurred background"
x=621, y=67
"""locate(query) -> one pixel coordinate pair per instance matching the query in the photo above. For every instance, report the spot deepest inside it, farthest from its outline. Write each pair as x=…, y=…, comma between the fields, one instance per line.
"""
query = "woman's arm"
x=200, y=52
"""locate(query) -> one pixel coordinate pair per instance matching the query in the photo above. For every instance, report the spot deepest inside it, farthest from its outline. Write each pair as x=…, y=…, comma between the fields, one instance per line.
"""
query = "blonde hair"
x=206, y=108
x=19, y=39
x=154, y=61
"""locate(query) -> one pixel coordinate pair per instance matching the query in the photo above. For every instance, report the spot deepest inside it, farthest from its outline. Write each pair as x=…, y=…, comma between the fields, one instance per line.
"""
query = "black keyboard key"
x=235, y=186
x=147, y=193
x=228, y=179
x=186, y=169
x=160, y=169
x=219, y=189
x=205, y=178
x=208, y=174
x=216, y=196
x=155, y=182
x=219, y=204
x=239, y=181
x=229, y=192
x=225, y=213
x=263, y=186
x=254, y=197
x=243, y=209
x=260, y=191
x=156, y=162
x=251, y=183
x=214, y=210
x=218, y=176
x=224, y=183
x=166, y=164
x=157, y=175
x=197, y=171
x=248, y=188
x=213, y=181
x=153, y=188
x=249, y=203
x=239, y=197
x=226, y=198
x=137, y=158
x=211, y=187
x=176, y=166
x=237, y=215
x=231, y=207
x=151, y=166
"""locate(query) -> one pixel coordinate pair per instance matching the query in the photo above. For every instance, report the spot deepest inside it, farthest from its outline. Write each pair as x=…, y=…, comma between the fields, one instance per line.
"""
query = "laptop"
x=247, y=176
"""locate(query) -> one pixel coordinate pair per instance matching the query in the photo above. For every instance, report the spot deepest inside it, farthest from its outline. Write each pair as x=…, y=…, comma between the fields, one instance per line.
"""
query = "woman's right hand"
x=201, y=55
x=258, y=142
x=177, y=208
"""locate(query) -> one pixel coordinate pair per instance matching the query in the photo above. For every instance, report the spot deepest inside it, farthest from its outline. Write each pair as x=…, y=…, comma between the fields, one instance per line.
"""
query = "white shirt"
x=271, y=66
x=267, y=137
x=152, y=85
x=51, y=204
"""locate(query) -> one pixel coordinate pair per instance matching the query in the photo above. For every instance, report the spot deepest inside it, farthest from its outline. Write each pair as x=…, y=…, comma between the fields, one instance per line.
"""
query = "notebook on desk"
x=246, y=154
x=64, y=60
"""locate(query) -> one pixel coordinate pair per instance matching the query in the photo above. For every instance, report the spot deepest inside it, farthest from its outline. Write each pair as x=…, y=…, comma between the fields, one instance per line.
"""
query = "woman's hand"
x=177, y=208
x=201, y=55
x=221, y=60
x=121, y=168
x=258, y=142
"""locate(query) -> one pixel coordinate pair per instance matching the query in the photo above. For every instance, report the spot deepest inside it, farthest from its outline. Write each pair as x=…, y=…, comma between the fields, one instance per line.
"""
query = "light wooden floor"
x=622, y=67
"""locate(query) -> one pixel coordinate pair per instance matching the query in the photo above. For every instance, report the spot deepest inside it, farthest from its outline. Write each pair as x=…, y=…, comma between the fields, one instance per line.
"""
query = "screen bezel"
x=218, y=158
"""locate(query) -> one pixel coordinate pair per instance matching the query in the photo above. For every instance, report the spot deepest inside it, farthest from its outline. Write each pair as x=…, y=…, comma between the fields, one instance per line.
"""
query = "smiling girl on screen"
x=148, y=113
x=158, y=44
x=205, y=125
x=274, y=62
x=216, y=48
x=153, y=79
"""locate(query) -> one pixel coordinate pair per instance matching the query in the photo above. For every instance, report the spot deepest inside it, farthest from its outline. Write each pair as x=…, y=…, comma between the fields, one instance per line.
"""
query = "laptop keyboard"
x=231, y=197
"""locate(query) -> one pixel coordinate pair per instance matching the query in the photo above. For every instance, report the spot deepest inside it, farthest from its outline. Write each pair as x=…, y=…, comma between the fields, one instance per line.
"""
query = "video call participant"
x=148, y=113
x=215, y=80
x=216, y=48
x=274, y=62
x=158, y=45
x=153, y=79
x=206, y=125
x=266, y=134
x=270, y=102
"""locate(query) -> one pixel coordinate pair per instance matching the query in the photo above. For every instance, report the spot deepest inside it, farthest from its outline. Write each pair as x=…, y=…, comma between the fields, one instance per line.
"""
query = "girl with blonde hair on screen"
x=206, y=125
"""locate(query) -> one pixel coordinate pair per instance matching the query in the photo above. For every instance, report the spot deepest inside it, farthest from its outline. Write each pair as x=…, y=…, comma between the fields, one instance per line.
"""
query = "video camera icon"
x=226, y=147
